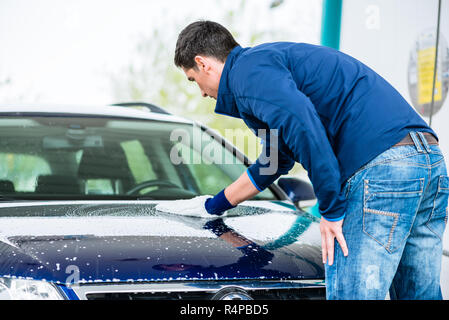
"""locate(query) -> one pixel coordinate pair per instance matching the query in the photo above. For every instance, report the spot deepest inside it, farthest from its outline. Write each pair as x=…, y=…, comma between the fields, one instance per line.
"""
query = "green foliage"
x=151, y=75
x=22, y=170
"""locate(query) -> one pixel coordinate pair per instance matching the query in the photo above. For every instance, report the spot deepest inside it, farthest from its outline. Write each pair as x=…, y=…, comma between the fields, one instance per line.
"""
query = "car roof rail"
x=149, y=106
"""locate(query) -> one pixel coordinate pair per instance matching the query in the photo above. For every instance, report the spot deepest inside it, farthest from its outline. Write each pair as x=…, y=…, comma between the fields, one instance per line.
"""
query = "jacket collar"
x=225, y=99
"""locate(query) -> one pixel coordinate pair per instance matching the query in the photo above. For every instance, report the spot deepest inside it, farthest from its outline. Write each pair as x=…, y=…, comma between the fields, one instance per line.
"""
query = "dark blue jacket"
x=333, y=114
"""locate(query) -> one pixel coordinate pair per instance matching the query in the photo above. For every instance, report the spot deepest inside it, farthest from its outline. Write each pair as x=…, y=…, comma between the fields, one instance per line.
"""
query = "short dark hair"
x=205, y=38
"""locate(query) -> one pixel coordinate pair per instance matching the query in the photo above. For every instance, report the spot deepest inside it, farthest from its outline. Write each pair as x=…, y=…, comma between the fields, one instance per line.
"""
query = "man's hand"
x=329, y=231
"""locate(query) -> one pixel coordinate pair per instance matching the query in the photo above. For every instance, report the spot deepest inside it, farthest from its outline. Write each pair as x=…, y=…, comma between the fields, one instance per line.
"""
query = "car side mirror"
x=299, y=191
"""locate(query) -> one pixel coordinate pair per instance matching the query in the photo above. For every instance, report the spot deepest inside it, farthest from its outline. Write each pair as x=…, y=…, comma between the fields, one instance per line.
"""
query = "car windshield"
x=58, y=158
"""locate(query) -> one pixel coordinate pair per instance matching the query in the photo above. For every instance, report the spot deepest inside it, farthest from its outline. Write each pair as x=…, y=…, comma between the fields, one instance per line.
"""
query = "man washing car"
x=374, y=163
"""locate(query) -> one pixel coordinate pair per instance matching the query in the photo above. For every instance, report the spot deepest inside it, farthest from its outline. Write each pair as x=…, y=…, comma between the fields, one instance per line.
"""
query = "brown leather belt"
x=408, y=140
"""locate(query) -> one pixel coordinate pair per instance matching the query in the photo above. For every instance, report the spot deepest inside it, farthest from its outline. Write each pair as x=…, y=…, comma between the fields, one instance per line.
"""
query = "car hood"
x=119, y=241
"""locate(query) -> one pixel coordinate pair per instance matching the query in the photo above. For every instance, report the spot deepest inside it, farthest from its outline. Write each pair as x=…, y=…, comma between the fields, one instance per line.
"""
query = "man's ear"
x=202, y=63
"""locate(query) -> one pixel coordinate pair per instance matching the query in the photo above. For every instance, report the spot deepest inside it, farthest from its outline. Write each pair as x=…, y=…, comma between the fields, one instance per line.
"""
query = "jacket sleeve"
x=271, y=164
x=265, y=88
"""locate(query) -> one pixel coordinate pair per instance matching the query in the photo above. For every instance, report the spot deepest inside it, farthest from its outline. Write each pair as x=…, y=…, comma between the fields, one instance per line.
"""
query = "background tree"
x=151, y=75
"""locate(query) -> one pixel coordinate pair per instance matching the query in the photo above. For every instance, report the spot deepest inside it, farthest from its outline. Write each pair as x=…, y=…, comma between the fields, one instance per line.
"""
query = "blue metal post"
x=331, y=23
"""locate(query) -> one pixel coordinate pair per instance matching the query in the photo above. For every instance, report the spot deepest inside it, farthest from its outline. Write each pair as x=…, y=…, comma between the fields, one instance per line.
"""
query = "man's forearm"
x=240, y=190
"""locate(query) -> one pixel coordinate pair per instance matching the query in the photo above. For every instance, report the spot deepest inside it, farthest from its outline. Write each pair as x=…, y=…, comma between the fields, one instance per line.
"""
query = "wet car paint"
x=117, y=241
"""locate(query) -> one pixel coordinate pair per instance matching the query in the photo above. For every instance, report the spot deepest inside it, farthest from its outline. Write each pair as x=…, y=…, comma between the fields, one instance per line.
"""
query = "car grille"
x=291, y=294
x=267, y=290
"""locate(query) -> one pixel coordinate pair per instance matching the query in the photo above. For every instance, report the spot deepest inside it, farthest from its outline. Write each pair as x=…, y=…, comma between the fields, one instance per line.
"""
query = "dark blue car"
x=78, y=190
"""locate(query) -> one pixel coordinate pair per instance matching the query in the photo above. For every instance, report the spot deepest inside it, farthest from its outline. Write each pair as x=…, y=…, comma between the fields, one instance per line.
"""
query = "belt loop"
x=416, y=141
x=424, y=142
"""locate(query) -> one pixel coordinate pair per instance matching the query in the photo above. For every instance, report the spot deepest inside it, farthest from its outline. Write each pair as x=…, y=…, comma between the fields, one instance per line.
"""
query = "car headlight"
x=22, y=289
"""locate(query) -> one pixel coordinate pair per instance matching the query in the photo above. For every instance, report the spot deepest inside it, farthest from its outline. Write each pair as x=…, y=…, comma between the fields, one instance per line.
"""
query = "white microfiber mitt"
x=191, y=207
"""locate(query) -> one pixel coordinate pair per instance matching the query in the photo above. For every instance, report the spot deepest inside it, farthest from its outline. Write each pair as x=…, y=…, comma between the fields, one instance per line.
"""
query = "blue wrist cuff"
x=334, y=219
x=218, y=204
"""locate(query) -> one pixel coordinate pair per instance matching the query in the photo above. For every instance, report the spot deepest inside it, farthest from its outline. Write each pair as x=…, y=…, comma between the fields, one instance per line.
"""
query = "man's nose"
x=204, y=94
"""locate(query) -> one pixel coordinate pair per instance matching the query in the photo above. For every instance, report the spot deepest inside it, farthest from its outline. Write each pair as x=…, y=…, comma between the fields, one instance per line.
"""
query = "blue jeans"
x=396, y=214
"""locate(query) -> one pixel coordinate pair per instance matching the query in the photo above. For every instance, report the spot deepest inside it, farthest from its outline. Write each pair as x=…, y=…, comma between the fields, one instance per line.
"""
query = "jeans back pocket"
x=438, y=219
x=389, y=208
